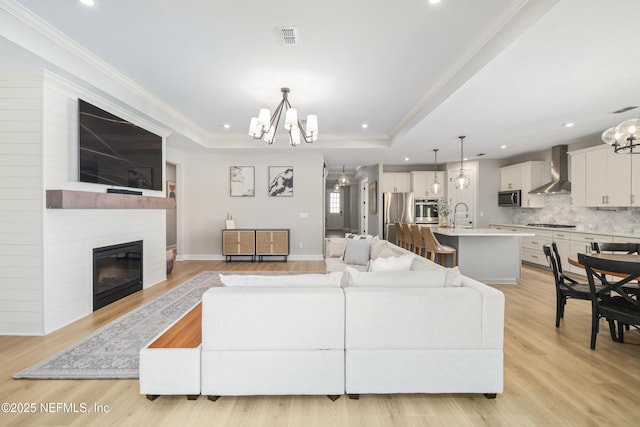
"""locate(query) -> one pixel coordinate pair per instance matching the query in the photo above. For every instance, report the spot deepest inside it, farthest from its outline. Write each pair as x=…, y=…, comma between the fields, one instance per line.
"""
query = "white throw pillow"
x=454, y=278
x=356, y=251
x=335, y=247
x=357, y=236
x=399, y=279
x=394, y=263
x=282, y=281
x=377, y=247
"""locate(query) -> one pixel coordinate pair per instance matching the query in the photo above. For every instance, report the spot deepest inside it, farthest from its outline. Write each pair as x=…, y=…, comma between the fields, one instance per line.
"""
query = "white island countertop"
x=486, y=254
x=479, y=232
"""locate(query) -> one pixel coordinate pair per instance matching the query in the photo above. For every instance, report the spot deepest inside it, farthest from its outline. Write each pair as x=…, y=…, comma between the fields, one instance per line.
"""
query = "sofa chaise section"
x=272, y=341
x=424, y=340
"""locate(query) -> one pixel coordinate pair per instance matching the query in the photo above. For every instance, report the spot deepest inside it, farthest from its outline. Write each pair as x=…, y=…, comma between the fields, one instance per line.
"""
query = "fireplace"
x=117, y=272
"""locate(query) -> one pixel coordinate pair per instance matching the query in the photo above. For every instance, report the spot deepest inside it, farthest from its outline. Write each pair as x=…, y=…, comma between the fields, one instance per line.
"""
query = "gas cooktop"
x=552, y=225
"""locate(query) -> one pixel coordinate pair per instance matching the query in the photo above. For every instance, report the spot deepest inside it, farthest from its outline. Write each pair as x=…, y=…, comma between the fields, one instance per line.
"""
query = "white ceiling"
x=498, y=71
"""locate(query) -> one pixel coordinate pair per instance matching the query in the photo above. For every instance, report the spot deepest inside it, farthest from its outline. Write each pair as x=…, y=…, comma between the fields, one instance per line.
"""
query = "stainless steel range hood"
x=559, y=173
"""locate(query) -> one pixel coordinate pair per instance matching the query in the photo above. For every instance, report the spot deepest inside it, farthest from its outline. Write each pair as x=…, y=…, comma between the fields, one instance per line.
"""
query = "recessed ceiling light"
x=88, y=2
x=226, y=126
x=568, y=125
x=465, y=159
x=434, y=1
x=365, y=126
x=503, y=146
x=406, y=159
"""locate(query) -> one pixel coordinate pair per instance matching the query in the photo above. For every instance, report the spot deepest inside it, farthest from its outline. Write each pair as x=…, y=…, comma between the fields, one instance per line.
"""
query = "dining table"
x=573, y=260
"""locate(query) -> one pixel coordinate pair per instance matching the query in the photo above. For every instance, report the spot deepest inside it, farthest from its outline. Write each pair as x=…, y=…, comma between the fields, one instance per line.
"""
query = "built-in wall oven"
x=426, y=211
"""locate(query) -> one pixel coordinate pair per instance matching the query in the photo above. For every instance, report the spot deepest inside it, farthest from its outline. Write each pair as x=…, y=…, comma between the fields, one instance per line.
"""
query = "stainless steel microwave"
x=509, y=198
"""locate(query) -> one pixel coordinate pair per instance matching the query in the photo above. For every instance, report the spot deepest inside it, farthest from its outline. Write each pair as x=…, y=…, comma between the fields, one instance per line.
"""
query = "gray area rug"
x=113, y=351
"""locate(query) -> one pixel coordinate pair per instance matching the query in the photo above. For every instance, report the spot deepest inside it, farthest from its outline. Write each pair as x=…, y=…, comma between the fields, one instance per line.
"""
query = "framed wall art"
x=242, y=181
x=373, y=197
x=171, y=189
x=281, y=181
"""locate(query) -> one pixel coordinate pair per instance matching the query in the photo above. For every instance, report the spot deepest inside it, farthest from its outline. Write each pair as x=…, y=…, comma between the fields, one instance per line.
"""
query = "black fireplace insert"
x=117, y=272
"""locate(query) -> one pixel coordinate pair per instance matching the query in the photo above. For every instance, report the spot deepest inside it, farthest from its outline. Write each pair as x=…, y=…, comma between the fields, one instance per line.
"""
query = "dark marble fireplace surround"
x=117, y=272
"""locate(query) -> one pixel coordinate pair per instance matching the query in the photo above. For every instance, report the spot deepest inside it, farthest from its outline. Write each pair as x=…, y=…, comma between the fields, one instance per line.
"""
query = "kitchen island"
x=485, y=254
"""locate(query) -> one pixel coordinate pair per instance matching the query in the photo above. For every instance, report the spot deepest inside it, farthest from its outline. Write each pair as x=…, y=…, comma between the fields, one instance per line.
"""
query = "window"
x=334, y=202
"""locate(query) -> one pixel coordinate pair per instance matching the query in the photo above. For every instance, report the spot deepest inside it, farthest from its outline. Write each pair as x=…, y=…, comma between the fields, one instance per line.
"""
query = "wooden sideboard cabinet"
x=255, y=242
x=238, y=243
x=272, y=243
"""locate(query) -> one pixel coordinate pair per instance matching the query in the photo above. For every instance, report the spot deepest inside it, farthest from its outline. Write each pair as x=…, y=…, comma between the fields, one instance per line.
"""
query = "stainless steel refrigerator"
x=397, y=207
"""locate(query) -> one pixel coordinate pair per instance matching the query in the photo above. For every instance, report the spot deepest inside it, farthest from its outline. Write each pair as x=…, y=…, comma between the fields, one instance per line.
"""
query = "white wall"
x=373, y=174
x=488, y=187
x=46, y=279
x=205, y=200
x=21, y=291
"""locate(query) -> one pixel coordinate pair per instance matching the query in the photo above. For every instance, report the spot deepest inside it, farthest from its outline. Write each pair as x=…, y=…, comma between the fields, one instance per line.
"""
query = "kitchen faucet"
x=455, y=212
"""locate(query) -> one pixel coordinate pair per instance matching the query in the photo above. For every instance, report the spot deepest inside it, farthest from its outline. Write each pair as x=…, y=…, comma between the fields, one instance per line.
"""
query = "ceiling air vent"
x=624, y=110
x=289, y=35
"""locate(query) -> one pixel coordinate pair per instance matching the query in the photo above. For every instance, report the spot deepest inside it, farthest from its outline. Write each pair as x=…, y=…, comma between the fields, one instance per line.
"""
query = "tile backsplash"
x=558, y=210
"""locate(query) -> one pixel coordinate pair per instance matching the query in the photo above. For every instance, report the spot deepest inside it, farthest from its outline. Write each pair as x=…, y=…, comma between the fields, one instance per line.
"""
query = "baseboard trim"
x=199, y=257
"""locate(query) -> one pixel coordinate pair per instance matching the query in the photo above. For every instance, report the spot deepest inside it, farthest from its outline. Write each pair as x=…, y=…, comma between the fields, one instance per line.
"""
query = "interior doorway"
x=335, y=211
x=364, y=207
x=172, y=214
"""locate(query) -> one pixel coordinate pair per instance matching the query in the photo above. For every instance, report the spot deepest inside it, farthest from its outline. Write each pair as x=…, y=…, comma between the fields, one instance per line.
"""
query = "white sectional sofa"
x=379, y=249
x=426, y=330
x=274, y=341
x=424, y=340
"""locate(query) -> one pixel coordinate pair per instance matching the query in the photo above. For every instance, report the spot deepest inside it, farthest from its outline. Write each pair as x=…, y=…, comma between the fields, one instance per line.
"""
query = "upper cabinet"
x=396, y=182
x=525, y=177
x=578, y=179
x=602, y=178
x=511, y=178
x=421, y=184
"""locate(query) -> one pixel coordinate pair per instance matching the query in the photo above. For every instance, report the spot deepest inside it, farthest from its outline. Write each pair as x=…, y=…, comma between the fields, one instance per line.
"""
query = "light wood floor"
x=551, y=376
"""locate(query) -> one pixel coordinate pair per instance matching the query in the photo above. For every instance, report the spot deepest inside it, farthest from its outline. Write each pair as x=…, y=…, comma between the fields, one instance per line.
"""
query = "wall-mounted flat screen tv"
x=116, y=152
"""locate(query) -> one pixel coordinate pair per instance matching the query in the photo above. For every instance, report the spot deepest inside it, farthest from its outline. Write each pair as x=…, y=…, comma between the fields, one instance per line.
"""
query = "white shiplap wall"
x=58, y=281
x=21, y=234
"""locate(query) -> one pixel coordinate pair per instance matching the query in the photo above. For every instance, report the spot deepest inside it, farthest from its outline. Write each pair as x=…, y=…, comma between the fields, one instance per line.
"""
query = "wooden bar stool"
x=399, y=234
x=408, y=240
x=418, y=241
x=437, y=252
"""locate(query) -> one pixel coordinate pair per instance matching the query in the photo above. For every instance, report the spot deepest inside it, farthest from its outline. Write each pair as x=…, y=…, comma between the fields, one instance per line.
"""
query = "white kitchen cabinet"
x=581, y=243
x=532, y=246
x=510, y=178
x=421, y=182
x=396, y=182
x=607, y=178
x=578, y=179
x=563, y=243
x=635, y=180
x=525, y=177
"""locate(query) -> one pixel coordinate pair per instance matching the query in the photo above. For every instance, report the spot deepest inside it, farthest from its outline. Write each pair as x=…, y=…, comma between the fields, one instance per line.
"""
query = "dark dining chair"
x=628, y=248
x=611, y=300
x=566, y=287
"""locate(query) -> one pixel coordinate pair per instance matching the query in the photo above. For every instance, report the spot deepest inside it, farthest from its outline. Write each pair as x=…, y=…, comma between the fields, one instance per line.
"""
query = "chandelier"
x=436, y=186
x=461, y=181
x=336, y=188
x=265, y=125
x=343, y=180
x=624, y=137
